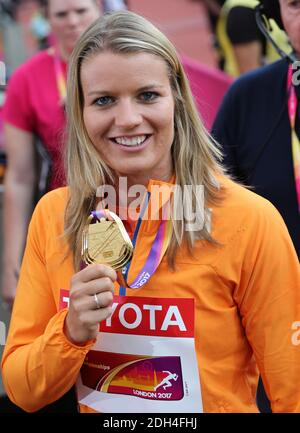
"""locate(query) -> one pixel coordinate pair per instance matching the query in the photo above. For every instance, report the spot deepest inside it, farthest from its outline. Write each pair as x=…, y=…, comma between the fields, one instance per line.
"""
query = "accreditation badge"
x=144, y=359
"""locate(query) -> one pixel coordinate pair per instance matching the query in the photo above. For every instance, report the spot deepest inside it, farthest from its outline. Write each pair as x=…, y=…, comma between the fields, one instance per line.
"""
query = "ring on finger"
x=98, y=305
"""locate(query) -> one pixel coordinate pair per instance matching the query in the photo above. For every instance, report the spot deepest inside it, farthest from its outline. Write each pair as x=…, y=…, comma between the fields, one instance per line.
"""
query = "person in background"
x=259, y=132
x=25, y=30
x=197, y=312
x=33, y=25
x=214, y=8
x=34, y=108
x=242, y=47
x=239, y=44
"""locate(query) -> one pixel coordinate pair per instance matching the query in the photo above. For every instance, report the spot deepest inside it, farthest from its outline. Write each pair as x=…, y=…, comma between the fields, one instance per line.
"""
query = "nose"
x=127, y=114
x=72, y=19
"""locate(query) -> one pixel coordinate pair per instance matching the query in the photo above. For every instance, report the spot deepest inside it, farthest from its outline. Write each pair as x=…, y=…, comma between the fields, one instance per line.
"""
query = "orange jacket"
x=247, y=306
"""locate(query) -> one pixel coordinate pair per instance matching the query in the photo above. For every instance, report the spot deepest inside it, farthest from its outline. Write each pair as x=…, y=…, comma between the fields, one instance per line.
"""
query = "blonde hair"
x=195, y=154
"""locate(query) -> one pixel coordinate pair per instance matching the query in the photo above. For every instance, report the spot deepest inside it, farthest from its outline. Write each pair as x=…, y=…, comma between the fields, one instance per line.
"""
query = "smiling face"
x=129, y=113
x=290, y=14
x=69, y=19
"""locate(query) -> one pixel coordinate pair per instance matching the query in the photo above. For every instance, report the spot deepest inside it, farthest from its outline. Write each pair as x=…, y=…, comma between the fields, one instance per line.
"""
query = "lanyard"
x=292, y=109
x=157, y=251
x=59, y=76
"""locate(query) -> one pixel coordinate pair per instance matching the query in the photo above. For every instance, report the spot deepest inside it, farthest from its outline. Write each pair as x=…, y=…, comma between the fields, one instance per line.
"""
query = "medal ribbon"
x=157, y=251
x=292, y=109
x=59, y=75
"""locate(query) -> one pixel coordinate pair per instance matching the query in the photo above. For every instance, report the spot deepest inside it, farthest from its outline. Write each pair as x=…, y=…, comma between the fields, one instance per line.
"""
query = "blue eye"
x=104, y=100
x=148, y=96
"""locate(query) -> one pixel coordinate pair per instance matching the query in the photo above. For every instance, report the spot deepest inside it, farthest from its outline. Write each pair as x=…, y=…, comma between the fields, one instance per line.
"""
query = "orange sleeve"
x=39, y=363
x=268, y=296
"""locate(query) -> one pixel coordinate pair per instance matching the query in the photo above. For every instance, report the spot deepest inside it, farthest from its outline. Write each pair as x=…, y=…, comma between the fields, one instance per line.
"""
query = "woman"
x=205, y=309
x=34, y=109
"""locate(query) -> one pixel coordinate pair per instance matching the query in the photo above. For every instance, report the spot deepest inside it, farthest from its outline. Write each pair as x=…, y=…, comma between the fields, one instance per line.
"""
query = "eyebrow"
x=141, y=89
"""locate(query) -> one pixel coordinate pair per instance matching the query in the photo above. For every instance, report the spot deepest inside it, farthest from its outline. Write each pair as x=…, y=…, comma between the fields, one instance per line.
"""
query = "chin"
x=70, y=44
x=132, y=171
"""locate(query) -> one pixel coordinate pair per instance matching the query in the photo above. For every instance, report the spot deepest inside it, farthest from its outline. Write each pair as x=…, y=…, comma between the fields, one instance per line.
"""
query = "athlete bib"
x=144, y=359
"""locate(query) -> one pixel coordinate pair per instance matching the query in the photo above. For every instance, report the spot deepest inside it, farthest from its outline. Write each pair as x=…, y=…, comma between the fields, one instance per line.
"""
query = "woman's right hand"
x=84, y=315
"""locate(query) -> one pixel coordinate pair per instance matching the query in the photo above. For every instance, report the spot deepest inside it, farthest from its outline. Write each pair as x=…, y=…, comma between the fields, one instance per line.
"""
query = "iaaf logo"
x=148, y=377
x=166, y=382
x=174, y=390
x=170, y=317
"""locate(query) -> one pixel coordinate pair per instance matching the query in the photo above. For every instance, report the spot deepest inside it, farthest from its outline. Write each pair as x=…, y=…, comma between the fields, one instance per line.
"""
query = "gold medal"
x=106, y=241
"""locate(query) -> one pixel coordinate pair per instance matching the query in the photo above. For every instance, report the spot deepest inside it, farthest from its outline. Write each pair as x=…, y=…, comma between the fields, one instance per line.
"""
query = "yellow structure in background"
x=226, y=47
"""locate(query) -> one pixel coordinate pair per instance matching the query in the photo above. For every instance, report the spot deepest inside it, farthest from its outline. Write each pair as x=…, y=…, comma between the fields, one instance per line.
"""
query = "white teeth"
x=131, y=141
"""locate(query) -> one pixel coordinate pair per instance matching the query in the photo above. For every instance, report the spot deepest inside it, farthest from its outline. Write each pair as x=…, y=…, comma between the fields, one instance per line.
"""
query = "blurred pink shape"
x=1, y=132
x=208, y=86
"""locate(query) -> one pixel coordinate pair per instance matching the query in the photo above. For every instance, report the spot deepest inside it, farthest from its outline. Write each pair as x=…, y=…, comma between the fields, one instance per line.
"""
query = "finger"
x=90, y=302
x=94, y=317
x=83, y=290
x=101, y=300
x=95, y=286
x=93, y=272
x=98, y=286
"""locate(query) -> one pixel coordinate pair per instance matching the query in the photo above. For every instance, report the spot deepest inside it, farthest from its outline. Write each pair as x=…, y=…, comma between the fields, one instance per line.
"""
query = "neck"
x=129, y=181
x=144, y=180
x=64, y=53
